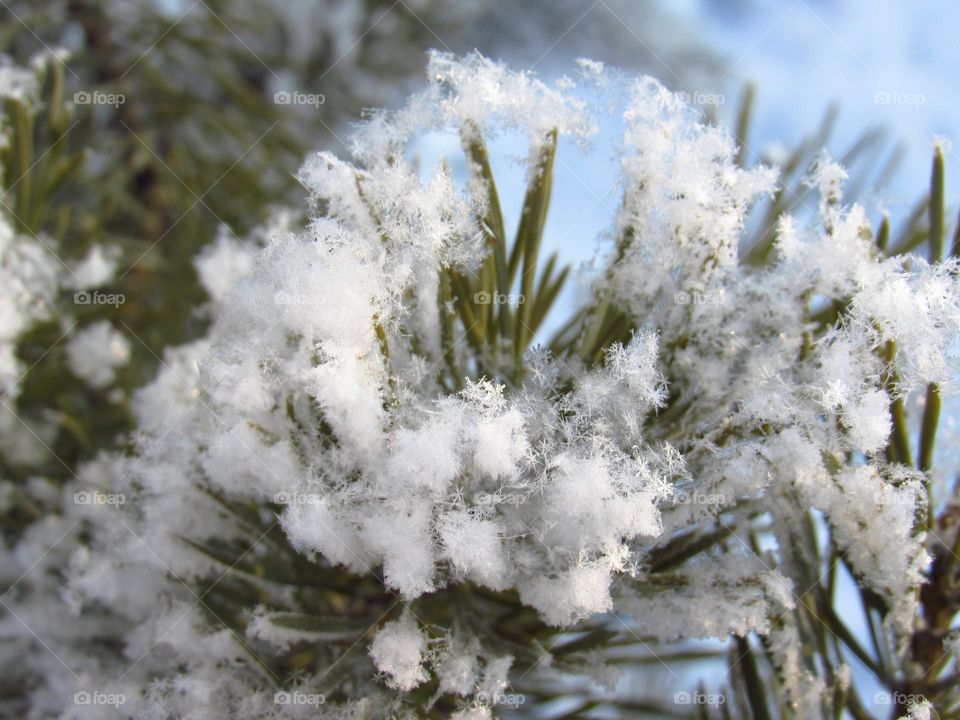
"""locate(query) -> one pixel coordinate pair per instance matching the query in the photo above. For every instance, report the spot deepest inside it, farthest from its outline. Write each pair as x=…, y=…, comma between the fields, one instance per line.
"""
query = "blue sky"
x=885, y=63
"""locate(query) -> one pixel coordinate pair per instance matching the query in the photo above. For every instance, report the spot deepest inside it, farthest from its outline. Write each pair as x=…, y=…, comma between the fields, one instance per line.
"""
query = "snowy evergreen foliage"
x=372, y=491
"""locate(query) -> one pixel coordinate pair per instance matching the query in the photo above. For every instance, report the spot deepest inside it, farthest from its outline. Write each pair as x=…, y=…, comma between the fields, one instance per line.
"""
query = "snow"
x=398, y=651
x=95, y=352
x=320, y=401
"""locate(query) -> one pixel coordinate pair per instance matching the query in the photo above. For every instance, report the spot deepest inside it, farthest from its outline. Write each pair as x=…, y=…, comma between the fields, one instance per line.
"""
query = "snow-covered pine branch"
x=361, y=443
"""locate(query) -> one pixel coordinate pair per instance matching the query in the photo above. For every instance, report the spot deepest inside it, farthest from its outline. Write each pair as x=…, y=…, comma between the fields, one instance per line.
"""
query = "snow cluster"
x=319, y=399
x=96, y=351
x=30, y=276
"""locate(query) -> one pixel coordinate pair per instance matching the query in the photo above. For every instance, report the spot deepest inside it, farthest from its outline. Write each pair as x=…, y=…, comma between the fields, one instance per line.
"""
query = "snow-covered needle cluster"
x=34, y=281
x=370, y=488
